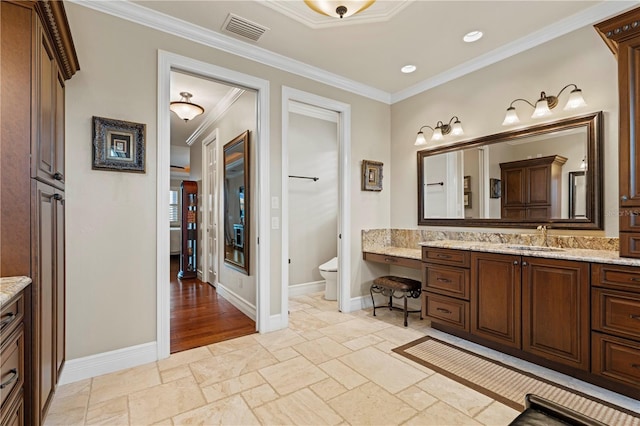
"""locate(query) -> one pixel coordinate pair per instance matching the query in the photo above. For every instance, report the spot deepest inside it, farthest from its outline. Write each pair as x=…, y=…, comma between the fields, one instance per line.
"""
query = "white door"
x=210, y=206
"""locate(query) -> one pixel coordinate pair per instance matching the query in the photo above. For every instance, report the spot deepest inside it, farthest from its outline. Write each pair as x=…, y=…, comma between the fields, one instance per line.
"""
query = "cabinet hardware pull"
x=636, y=279
x=632, y=316
x=57, y=197
x=444, y=256
x=57, y=176
x=524, y=263
x=624, y=198
x=7, y=319
x=443, y=280
x=635, y=365
x=515, y=262
x=12, y=379
x=446, y=311
x=390, y=259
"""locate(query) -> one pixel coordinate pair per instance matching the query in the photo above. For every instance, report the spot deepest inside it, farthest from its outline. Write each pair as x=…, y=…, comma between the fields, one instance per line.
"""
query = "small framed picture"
x=466, y=183
x=371, y=175
x=495, y=188
x=118, y=145
x=467, y=200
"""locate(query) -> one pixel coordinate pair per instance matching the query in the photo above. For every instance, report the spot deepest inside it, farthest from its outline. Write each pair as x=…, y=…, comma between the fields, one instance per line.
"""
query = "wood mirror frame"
x=593, y=123
x=236, y=191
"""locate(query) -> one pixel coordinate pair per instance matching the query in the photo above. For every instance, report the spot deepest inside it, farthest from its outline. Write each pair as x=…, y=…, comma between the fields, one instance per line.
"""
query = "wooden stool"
x=388, y=285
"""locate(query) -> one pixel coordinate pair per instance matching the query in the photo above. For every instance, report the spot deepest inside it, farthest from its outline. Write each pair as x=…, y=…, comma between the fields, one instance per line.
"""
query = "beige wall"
x=111, y=216
x=480, y=100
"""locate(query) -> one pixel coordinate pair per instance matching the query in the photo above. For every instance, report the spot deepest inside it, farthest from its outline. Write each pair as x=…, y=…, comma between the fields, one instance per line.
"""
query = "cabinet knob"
x=624, y=198
x=515, y=262
x=57, y=176
x=524, y=263
x=57, y=197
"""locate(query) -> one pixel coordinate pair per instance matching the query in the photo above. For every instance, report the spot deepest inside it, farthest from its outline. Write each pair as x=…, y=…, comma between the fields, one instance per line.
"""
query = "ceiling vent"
x=243, y=27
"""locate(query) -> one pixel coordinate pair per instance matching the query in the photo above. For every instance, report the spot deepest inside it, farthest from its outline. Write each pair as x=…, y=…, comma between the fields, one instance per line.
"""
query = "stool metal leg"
x=406, y=314
x=373, y=300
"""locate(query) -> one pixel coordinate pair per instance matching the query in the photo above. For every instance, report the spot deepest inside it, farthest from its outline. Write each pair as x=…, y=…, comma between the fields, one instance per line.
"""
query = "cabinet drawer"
x=616, y=312
x=11, y=367
x=630, y=244
x=446, y=280
x=630, y=220
x=446, y=256
x=446, y=310
x=393, y=260
x=14, y=415
x=616, y=359
x=11, y=315
x=616, y=277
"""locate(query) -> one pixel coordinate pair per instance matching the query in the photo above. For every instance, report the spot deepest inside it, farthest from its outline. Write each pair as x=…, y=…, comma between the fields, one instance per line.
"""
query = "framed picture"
x=495, y=188
x=467, y=200
x=118, y=145
x=466, y=183
x=371, y=175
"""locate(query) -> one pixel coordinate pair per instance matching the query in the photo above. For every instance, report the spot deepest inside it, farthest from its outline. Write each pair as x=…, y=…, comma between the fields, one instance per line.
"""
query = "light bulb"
x=437, y=134
x=420, y=140
x=456, y=128
x=575, y=100
x=511, y=117
x=542, y=109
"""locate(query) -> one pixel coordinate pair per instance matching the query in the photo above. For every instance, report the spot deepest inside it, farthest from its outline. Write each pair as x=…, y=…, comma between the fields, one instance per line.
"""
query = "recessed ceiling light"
x=407, y=69
x=472, y=36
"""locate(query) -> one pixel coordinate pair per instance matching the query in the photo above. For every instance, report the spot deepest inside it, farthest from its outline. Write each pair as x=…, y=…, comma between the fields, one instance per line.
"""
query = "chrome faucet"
x=543, y=234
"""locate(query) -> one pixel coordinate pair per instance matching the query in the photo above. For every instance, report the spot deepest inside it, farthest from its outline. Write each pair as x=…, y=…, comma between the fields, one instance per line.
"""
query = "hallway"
x=200, y=317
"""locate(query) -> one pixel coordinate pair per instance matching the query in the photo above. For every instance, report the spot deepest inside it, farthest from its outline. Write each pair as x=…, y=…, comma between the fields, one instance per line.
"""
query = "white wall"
x=480, y=100
x=313, y=206
x=111, y=216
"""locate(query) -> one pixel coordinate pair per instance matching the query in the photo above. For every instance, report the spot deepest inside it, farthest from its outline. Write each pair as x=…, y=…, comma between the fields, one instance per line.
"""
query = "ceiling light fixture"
x=184, y=108
x=338, y=9
x=408, y=69
x=440, y=131
x=545, y=104
x=472, y=36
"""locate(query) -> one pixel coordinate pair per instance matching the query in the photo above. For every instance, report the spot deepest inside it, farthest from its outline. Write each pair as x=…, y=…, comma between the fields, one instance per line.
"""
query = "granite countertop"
x=585, y=255
x=10, y=286
x=409, y=253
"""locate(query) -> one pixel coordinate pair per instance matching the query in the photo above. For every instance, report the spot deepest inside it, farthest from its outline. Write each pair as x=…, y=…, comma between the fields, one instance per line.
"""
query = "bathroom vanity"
x=576, y=311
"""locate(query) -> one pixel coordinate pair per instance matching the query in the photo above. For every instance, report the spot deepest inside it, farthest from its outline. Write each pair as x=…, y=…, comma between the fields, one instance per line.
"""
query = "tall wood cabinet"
x=622, y=35
x=531, y=189
x=38, y=56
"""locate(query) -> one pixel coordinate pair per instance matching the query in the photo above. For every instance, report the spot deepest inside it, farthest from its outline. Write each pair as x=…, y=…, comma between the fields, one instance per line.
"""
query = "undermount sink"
x=533, y=248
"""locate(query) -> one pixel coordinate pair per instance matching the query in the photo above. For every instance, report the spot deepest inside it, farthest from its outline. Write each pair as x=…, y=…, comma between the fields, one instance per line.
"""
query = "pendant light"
x=184, y=108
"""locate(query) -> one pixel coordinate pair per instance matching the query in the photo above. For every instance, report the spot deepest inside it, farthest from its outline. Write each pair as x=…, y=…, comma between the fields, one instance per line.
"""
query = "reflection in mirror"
x=577, y=195
x=236, y=203
x=517, y=178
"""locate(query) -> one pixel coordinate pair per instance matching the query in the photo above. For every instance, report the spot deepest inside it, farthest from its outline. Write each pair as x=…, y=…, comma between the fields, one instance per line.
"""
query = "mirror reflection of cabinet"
x=236, y=203
x=188, y=250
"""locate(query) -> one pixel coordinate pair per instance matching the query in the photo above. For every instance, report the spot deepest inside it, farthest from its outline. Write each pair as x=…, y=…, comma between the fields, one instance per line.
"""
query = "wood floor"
x=199, y=316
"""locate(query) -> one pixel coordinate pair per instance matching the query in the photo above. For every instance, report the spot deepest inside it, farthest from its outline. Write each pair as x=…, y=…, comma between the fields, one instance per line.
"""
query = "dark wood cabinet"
x=496, y=298
x=622, y=35
x=37, y=57
x=555, y=310
x=189, y=224
x=531, y=189
x=12, y=360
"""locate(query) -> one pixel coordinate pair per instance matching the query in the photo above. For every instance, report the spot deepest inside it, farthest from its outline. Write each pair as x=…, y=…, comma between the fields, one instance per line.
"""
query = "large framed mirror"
x=517, y=179
x=236, y=203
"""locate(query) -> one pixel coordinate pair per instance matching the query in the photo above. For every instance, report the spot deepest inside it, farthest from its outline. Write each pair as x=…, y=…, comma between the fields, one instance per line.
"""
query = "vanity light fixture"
x=545, y=104
x=338, y=9
x=184, y=108
x=440, y=131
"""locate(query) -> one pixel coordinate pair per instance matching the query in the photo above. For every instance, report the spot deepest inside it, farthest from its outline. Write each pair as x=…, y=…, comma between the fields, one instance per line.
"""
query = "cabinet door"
x=555, y=310
x=43, y=288
x=59, y=324
x=50, y=122
x=495, y=296
x=513, y=187
x=538, y=184
x=628, y=81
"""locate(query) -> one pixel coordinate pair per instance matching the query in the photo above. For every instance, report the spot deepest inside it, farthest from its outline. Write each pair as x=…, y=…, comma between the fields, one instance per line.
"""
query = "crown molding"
x=216, y=113
x=571, y=23
x=159, y=21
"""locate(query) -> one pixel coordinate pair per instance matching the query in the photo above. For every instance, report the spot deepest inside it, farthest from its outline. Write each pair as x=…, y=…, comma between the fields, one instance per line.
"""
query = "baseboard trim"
x=107, y=362
x=306, y=288
x=277, y=322
x=245, y=307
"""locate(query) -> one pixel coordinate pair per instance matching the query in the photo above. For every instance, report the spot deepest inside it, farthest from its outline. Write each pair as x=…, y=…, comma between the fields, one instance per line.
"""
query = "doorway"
x=168, y=62
x=343, y=111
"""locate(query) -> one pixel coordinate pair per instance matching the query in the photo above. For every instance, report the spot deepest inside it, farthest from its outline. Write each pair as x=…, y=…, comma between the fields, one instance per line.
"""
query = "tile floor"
x=327, y=368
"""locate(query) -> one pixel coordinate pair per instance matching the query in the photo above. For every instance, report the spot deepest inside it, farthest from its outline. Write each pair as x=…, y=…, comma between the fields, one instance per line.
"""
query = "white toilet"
x=329, y=271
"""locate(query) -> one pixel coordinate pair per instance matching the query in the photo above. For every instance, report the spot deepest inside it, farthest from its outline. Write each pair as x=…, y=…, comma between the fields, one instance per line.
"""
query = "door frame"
x=344, y=186
x=211, y=138
x=168, y=62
